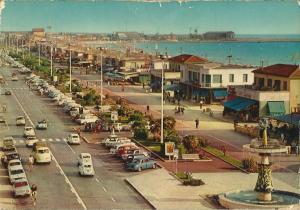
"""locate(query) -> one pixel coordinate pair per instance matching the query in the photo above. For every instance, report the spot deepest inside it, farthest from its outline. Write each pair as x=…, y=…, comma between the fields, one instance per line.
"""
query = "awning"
x=288, y=118
x=203, y=93
x=276, y=108
x=220, y=93
x=239, y=103
x=172, y=87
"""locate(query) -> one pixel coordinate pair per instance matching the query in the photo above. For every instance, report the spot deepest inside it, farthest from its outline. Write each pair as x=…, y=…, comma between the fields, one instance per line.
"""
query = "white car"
x=13, y=162
x=84, y=158
x=42, y=125
x=83, y=119
x=15, y=173
x=41, y=153
x=86, y=169
x=21, y=187
x=73, y=138
x=20, y=120
x=14, y=78
x=30, y=140
x=29, y=131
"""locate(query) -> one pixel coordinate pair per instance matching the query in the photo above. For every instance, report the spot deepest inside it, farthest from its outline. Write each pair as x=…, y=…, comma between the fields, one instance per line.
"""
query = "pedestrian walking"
x=201, y=104
x=197, y=122
x=30, y=163
x=33, y=194
x=148, y=108
x=182, y=110
x=4, y=108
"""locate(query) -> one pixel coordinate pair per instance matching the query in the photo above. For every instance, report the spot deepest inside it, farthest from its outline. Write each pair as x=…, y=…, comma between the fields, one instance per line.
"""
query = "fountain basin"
x=248, y=200
x=267, y=150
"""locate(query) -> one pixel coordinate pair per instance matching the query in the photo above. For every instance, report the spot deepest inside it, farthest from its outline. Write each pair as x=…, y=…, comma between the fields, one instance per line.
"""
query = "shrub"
x=141, y=133
x=136, y=116
x=181, y=149
x=202, y=142
x=193, y=182
x=190, y=143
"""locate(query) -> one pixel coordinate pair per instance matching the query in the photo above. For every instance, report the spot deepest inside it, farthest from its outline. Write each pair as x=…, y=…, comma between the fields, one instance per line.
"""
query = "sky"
x=242, y=17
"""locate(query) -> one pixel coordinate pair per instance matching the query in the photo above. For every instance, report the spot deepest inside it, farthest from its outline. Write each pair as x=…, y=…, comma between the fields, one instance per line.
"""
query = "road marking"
x=65, y=140
x=97, y=180
x=22, y=141
x=54, y=159
x=43, y=139
x=50, y=140
x=104, y=189
x=15, y=142
x=58, y=140
x=113, y=199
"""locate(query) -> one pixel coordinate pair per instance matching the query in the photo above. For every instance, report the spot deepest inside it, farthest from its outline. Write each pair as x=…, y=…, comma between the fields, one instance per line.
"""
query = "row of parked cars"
x=135, y=158
x=70, y=107
x=12, y=161
x=21, y=68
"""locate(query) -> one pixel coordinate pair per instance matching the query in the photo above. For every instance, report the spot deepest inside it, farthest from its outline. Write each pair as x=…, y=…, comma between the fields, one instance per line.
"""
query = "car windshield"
x=28, y=129
x=136, y=161
x=15, y=164
x=21, y=184
x=19, y=171
x=86, y=157
x=12, y=156
x=87, y=166
x=42, y=151
x=20, y=118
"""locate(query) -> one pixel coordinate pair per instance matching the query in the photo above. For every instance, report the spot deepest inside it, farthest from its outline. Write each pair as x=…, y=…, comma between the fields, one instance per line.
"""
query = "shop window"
x=270, y=83
x=284, y=85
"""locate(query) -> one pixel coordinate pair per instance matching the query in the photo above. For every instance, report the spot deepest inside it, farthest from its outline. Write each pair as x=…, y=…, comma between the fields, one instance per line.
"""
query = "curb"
x=136, y=190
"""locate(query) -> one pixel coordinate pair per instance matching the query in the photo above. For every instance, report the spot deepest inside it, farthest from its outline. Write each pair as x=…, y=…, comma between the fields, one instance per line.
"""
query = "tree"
x=191, y=143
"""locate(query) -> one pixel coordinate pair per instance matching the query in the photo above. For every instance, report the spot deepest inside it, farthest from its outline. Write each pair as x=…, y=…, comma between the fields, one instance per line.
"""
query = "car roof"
x=28, y=127
x=20, y=116
x=14, y=160
x=85, y=153
x=16, y=167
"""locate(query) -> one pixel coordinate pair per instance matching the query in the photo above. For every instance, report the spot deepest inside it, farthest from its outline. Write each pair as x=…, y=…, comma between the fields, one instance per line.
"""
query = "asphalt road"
x=59, y=185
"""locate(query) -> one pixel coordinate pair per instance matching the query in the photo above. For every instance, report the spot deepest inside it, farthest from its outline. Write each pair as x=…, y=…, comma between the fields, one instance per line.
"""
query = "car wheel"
x=154, y=166
x=139, y=169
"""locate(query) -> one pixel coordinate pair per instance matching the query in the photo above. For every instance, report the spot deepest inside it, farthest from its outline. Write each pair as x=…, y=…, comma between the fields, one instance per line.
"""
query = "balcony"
x=204, y=85
x=262, y=94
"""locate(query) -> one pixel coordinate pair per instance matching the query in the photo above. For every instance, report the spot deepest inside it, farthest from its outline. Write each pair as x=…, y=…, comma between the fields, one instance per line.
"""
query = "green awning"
x=276, y=108
x=220, y=93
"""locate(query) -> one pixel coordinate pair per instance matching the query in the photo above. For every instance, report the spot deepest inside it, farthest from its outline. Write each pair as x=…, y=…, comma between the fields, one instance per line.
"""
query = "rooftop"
x=186, y=58
x=282, y=70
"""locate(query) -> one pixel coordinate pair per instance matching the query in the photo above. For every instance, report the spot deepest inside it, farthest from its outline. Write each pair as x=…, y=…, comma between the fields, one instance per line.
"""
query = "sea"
x=246, y=53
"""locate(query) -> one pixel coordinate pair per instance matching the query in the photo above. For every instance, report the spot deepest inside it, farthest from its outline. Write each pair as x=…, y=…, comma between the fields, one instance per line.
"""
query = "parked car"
x=122, y=150
x=13, y=162
x=41, y=153
x=42, y=125
x=21, y=187
x=133, y=152
x=2, y=119
x=132, y=157
x=86, y=119
x=30, y=140
x=20, y=120
x=29, y=131
x=140, y=164
x=114, y=148
x=113, y=141
x=73, y=138
x=10, y=156
x=15, y=173
x=14, y=78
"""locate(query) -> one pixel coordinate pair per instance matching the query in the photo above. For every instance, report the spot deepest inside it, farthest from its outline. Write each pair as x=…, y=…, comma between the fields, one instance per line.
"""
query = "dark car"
x=9, y=156
x=7, y=92
x=141, y=163
x=131, y=157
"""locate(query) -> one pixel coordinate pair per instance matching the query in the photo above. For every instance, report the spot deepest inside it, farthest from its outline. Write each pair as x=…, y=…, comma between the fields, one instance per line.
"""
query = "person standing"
x=33, y=193
x=30, y=163
x=201, y=103
x=197, y=122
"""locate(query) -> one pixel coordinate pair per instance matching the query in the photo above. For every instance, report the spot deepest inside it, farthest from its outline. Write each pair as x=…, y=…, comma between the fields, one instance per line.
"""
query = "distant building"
x=219, y=35
x=38, y=34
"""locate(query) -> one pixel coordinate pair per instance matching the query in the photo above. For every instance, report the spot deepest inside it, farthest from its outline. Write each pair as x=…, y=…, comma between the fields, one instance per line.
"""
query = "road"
x=59, y=185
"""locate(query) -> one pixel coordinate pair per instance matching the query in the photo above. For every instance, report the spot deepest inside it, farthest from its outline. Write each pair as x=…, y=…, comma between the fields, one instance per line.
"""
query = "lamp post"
x=101, y=79
x=70, y=66
x=162, y=104
x=51, y=59
x=299, y=137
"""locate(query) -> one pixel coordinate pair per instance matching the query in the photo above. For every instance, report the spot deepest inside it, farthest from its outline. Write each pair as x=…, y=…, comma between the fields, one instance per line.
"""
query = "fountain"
x=263, y=196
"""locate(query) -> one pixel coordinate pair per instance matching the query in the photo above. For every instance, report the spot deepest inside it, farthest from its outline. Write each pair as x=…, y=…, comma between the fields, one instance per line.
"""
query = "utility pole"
x=70, y=63
x=162, y=103
x=101, y=79
x=51, y=61
x=17, y=45
x=29, y=47
x=39, y=54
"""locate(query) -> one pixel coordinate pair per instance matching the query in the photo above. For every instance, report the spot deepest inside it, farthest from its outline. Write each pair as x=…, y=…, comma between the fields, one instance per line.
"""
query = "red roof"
x=282, y=70
x=185, y=58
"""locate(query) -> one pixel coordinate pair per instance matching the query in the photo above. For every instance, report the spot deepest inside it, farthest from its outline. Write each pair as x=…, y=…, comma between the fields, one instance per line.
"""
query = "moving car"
x=84, y=158
x=139, y=164
x=8, y=144
x=30, y=140
x=29, y=131
x=20, y=120
x=73, y=138
x=86, y=169
x=41, y=153
x=15, y=173
x=14, y=77
x=21, y=187
x=7, y=92
x=42, y=125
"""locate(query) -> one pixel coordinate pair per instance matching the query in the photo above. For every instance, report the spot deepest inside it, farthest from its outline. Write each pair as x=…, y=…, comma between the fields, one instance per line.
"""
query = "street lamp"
x=51, y=59
x=101, y=79
x=39, y=54
x=162, y=103
x=70, y=66
x=299, y=137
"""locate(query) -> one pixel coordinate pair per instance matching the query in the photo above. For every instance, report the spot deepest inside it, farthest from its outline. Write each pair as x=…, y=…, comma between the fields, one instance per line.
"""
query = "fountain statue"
x=264, y=195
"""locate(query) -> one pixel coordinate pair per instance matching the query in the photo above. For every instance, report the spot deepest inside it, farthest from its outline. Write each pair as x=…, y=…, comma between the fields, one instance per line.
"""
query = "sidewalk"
x=171, y=195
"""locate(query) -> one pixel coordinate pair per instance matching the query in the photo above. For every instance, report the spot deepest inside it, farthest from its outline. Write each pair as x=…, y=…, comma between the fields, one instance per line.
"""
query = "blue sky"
x=254, y=17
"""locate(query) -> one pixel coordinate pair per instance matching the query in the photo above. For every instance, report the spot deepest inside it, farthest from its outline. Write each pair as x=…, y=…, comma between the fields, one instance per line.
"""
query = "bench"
x=190, y=156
